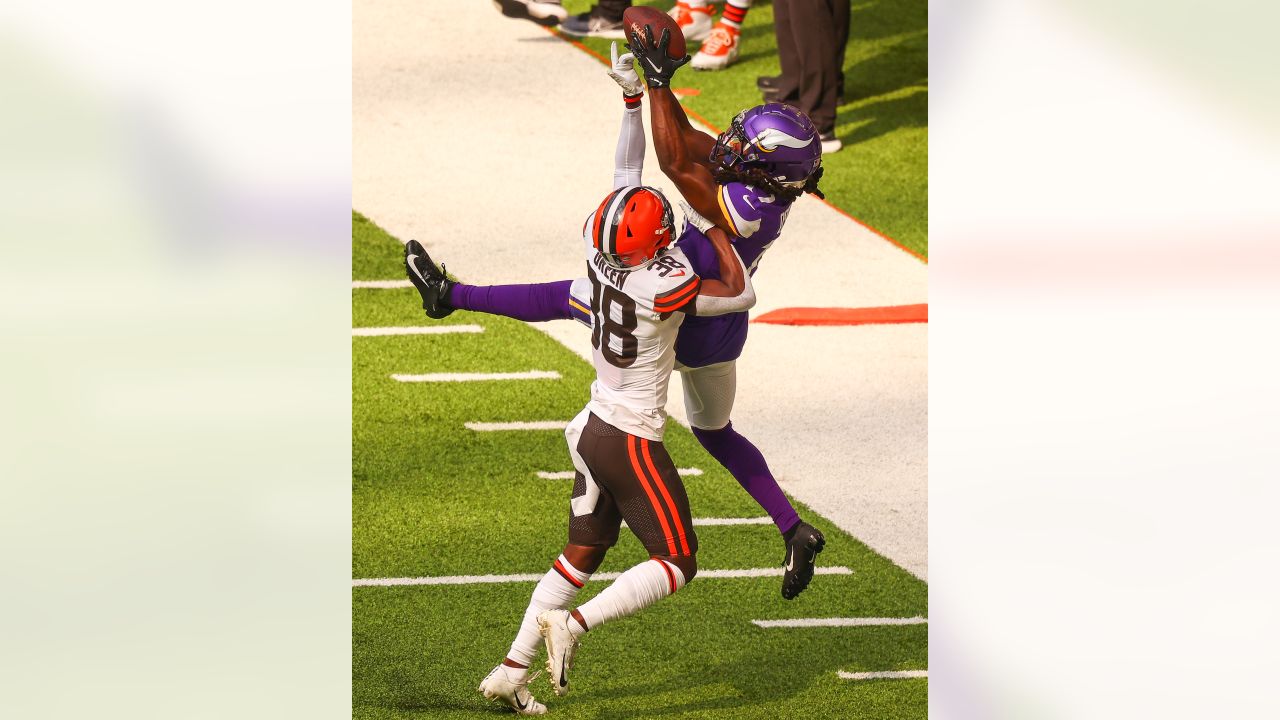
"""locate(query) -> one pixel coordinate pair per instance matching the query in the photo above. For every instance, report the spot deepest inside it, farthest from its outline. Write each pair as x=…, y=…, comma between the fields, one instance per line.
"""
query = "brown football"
x=637, y=16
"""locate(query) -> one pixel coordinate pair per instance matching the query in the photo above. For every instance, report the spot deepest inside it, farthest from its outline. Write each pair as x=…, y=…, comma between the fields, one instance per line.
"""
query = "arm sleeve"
x=628, y=159
x=708, y=305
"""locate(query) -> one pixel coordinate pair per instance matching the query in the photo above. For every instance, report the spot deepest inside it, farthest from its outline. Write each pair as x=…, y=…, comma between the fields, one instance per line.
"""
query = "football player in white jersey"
x=641, y=291
x=744, y=182
x=641, y=288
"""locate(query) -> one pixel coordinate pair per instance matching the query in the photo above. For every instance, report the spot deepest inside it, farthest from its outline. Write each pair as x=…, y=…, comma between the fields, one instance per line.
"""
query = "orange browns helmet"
x=632, y=226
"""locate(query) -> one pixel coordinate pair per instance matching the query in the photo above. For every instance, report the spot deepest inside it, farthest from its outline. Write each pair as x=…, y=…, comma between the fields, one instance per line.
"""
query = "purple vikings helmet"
x=774, y=136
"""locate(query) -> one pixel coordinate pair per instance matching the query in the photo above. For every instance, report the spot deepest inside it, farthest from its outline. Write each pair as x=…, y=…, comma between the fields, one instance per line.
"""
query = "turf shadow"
x=884, y=116
x=902, y=65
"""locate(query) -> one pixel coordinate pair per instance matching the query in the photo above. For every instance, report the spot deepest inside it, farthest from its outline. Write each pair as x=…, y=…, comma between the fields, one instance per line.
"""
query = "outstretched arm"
x=628, y=158
x=695, y=141
x=677, y=160
x=682, y=150
x=733, y=291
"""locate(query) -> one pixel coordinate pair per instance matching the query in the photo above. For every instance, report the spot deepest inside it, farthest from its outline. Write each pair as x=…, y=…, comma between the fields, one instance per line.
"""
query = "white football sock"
x=554, y=592
x=633, y=591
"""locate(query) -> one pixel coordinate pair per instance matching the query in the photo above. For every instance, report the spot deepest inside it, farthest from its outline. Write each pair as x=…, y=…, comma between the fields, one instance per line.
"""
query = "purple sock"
x=530, y=303
x=748, y=467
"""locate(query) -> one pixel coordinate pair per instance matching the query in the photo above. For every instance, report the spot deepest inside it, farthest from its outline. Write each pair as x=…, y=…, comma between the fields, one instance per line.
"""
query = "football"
x=637, y=16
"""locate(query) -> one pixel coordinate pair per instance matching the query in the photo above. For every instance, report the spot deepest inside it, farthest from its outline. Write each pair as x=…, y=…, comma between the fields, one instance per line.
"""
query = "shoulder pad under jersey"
x=743, y=207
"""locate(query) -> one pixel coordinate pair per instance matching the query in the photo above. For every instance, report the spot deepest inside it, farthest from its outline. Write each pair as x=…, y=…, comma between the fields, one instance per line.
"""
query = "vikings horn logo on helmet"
x=771, y=139
x=775, y=137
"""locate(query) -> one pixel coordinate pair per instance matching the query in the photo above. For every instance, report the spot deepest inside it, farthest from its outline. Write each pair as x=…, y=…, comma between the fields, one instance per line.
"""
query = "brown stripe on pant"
x=638, y=483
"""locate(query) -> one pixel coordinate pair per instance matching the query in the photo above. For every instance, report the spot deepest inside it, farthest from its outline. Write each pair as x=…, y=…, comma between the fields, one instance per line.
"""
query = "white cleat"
x=719, y=50
x=695, y=23
x=561, y=645
x=498, y=685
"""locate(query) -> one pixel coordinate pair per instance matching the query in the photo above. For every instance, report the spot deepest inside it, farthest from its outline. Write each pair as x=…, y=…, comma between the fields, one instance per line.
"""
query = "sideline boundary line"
x=691, y=113
x=534, y=577
x=886, y=315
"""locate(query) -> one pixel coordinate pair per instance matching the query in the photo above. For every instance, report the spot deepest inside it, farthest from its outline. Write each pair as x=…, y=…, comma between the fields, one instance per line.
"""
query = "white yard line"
x=380, y=284
x=838, y=622
x=534, y=425
x=729, y=521
x=883, y=675
x=429, y=330
x=479, y=377
x=734, y=521
x=568, y=474
x=530, y=577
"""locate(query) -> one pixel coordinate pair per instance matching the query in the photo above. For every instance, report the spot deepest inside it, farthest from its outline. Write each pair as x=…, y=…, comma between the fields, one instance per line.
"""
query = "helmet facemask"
x=731, y=146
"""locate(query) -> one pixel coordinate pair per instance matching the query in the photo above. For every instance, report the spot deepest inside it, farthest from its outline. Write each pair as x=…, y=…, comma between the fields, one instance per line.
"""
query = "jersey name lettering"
x=612, y=274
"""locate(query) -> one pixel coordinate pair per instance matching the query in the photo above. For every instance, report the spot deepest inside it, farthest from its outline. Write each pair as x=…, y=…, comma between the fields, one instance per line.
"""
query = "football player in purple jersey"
x=743, y=181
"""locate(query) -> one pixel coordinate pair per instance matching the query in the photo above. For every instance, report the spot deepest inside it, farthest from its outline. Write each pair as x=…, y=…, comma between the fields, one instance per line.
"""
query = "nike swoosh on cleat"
x=413, y=266
x=791, y=561
x=520, y=704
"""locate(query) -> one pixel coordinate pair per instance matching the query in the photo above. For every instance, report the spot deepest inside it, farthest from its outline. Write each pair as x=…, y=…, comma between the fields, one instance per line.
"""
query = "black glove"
x=657, y=65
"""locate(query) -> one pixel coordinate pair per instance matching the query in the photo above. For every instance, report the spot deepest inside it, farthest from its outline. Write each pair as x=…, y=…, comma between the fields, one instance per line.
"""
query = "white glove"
x=624, y=73
x=695, y=219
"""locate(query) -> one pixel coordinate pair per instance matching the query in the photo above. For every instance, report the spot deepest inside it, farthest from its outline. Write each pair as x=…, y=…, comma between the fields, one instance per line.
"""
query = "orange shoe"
x=719, y=50
x=694, y=22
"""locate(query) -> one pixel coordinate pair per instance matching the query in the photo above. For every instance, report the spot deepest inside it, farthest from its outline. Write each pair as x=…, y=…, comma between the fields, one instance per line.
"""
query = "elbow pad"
x=710, y=305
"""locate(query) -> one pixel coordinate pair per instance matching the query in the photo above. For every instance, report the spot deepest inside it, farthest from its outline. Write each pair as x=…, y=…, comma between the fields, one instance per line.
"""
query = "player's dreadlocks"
x=759, y=178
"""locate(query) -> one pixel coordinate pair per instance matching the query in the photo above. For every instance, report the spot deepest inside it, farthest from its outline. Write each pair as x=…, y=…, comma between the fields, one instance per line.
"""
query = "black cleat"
x=769, y=83
x=432, y=284
x=802, y=549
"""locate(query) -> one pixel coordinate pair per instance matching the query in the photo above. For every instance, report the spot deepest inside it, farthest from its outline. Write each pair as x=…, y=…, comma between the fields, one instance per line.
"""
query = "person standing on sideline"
x=812, y=35
x=720, y=42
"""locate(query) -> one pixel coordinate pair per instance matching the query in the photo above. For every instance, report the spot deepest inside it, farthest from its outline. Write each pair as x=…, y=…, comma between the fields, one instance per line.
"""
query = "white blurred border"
x=1104, y=285
x=176, y=367
x=175, y=438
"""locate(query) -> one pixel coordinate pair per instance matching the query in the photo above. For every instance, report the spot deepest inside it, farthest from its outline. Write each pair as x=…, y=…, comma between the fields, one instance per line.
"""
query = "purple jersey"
x=757, y=219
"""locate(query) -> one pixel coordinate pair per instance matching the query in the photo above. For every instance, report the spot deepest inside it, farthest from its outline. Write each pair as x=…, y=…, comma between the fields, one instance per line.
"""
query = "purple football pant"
x=746, y=463
x=550, y=301
x=530, y=303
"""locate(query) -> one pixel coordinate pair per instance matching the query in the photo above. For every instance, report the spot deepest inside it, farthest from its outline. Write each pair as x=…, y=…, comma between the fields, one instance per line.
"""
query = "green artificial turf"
x=430, y=497
x=881, y=176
